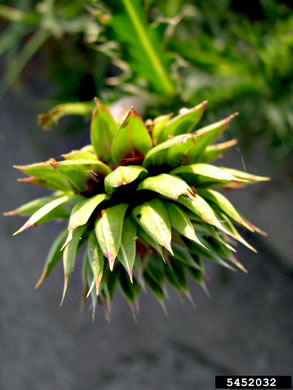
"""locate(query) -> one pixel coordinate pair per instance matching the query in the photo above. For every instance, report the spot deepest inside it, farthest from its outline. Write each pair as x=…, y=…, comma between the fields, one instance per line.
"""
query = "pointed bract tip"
x=19, y=167
x=203, y=104
x=163, y=306
x=42, y=278
x=99, y=105
x=83, y=298
x=66, y=278
x=98, y=286
x=203, y=107
x=90, y=289
x=53, y=163
x=111, y=260
x=133, y=312
x=30, y=180
x=132, y=111
x=129, y=271
x=239, y=265
x=229, y=118
x=94, y=311
x=22, y=229
x=233, y=115
x=205, y=289
x=259, y=231
x=68, y=239
x=263, y=178
x=169, y=249
x=189, y=297
x=13, y=212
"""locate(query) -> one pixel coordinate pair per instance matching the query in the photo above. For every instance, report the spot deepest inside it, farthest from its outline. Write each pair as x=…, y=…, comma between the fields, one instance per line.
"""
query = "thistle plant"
x=144, y=201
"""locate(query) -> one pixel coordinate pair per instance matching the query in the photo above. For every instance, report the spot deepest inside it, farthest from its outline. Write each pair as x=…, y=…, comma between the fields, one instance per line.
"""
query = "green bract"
x=144, y=202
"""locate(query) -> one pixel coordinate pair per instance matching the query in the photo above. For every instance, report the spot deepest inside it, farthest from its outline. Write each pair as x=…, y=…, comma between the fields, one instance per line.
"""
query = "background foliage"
x=184, y=52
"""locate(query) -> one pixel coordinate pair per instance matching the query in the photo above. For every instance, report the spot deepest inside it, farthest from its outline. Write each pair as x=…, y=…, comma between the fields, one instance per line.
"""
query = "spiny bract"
x=142, y=200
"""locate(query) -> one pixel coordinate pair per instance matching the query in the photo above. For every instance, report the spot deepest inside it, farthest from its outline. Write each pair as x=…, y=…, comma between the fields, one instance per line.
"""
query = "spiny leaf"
x=204, y=175
x=248, y=177
x=167, y=185
x=43, y=211
x=215, y=151
x=46, y=174
x=201, y=208
x=224, y=204
x=31, y=207
x=153, y=219
x=103, y=129
x=205, y=137
x=170, y=152
x=84, y=271
x=181, y=222
x=222, y=250
x=95, y=259
x=82, y=212
x=53, y=257
x=209, y=255
x=184, y=122
x=92, y=290
x=233, y=232
x=79, y=171
x=85, y=153
x=122, y=176
x=60, y=212
x=69, y=255
x=132, y=141
x=127, y=251
x=109, y=231
x=51, y=184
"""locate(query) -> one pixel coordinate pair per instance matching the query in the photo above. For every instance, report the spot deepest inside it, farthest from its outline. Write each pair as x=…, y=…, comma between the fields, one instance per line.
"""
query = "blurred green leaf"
x=147, y=56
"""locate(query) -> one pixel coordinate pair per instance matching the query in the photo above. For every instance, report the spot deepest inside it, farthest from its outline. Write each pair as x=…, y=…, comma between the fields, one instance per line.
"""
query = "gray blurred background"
x=246, y=327
x=239, y=58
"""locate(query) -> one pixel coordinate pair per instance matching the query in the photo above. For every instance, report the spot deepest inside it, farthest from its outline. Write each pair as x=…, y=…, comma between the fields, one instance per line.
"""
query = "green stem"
x=148, y=48
x=49, y=119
